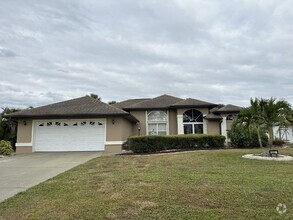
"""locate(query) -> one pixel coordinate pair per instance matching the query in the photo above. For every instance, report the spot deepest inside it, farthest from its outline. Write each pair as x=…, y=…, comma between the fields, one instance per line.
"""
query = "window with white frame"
x=157, y=123
x=193, y=122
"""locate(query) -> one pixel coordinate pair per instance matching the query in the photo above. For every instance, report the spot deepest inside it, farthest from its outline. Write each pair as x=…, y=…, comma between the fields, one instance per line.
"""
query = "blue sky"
x=218, y=51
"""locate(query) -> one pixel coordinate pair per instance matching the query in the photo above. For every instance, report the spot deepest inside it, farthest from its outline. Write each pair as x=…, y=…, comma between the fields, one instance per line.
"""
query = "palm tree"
x=266, y=113
x=274, y=112
x=250, y=117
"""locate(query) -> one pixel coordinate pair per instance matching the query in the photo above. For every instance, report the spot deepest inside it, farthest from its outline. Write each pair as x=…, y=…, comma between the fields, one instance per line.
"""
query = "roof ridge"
x=139, y=103
x=84, y=105
x=230, y=108
x=201, y=102
x=152, y=100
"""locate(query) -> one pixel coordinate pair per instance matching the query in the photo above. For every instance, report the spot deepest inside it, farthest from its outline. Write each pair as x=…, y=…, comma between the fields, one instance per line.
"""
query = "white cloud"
x=218, y=51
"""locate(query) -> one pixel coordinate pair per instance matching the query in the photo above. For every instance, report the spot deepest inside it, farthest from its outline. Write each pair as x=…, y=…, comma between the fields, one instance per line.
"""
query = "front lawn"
x=214, y=184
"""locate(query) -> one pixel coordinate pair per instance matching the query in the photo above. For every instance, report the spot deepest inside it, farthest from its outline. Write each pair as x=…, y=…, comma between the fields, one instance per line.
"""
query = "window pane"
x=162, y=127
x=152, y=129
x=162, y=133
x=198, y=129
x=192, y=115
x=187, y=116
x=157, y=116
x=188, y=129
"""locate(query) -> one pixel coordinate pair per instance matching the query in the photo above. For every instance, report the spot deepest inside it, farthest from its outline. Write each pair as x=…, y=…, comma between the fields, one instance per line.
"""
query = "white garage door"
x=69, y=135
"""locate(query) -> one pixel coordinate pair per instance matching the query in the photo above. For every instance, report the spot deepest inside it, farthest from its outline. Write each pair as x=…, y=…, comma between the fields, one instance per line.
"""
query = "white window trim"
x=157, y=122
x=194, y=123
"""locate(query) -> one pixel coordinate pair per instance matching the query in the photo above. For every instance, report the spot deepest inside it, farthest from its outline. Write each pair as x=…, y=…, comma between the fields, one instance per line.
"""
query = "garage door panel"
x=69, y=135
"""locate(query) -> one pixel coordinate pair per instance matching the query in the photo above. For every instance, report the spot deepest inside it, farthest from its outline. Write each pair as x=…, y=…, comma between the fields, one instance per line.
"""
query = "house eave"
x=75, y=116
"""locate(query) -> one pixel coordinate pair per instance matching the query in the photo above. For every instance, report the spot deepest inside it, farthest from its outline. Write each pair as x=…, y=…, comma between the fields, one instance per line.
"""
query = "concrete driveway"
x=20, y=172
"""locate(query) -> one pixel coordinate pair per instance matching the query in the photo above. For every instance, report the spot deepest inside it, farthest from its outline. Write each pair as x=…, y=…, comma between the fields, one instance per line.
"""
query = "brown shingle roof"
x=128, y=102
x=79, y=107
x=193, y=103
x=213, y=110
x=212, y=116
x=160, y=102
x=229, y=109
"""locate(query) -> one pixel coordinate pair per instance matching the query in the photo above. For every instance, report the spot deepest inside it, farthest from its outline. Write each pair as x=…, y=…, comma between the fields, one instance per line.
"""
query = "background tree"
x=112, y=102
x=95, y=96
x=8, y=126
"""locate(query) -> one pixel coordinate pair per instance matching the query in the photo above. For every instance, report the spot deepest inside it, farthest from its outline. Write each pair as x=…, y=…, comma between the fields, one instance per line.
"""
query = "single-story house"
x=87, y=124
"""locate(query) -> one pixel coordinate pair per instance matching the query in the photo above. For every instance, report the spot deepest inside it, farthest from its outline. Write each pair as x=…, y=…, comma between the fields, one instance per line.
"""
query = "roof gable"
x=229, y=109
x=194, y=103
x=212, y=116
x=129, y=102
x=84, y=106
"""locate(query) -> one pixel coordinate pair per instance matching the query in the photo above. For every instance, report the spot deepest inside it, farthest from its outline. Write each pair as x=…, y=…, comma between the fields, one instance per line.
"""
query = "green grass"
x=216, y=184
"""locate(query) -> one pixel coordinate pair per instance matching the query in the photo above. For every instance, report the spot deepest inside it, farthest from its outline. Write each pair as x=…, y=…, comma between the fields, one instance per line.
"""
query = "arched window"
x=157, y=123
x=193, y=122
x=230, y=117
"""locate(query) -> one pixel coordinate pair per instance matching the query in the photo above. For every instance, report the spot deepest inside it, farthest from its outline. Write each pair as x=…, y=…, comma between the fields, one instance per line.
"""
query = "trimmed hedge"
x=156, y=143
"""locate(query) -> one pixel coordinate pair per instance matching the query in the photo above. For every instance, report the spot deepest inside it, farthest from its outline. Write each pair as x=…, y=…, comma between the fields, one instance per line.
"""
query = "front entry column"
x=205, y=127
x=224, y=127
x=180, y=129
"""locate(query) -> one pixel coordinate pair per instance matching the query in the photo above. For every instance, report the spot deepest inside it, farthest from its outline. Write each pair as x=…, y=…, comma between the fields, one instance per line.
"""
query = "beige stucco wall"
x=113, y=148
x=24, y=136
x=173, y=122
x=119, y=131
x=24, y=132
x=24, y=150
x=229, y=124
x=140, y=115
x=127, y=129
x=113, y=131
x=213, y=127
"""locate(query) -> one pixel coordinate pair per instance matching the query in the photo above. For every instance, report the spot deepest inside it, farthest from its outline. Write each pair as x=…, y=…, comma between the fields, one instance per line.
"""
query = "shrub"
x=155, y=143
x=278, y=142
x=242, y=137
x=5, y=148
x=125, y=145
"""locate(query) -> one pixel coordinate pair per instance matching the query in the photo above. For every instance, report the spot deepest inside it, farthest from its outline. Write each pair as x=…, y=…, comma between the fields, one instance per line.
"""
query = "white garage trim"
x=114, y=142
x=23, y=144
x=69, y=134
